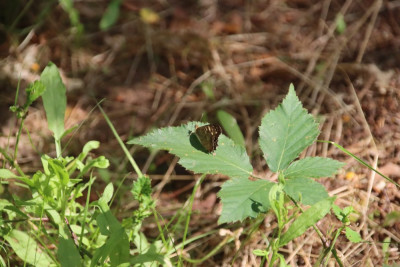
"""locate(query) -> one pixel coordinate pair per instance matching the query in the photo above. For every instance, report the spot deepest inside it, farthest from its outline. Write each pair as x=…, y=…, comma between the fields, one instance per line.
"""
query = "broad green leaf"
x=312, y=167
x=117, y=244
x=27, y=249
x=68, y=254
x=141, y=242
x=353, y=236
x=111, y=15
x=54, y=215
x=230, y=125
x=7, y=174
x=306, y=219
x=310, y=191
x=227, y=159
x=116, y=248
x=242, y=198
x=54, y=99
x=286, y=131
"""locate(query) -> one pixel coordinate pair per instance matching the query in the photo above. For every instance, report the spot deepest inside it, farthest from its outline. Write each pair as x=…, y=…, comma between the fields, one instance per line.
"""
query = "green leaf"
x=342, y=214
x=230, y=125
x=260, y=252
x=151, y=255
x=111, y=15
x=242, y=198
x=68, y=254
x=391, y=219
x=7, y=174
x=353, y=236
x=54, y=215
x=68, y=131
x=227, y=159
x=100, y=162
x=34, y=90
x=338, y=212
x=117, y=244
x=107, y=194
x=306, y=219
x=141, y=188
x=59, y=170
x=340, y=23
x=282, y=261
x=385, y=246
x=27, y=249
x=73, y=14
x=310, y=191
x=54, y=99
x=207, y=87
x=276, y=200
x=89, y=146
x=286, y=131
x=312, y=167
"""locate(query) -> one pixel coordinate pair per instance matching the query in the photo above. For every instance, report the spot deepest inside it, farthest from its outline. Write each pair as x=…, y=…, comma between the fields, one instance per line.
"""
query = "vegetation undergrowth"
x=51, y=228
x=284, y=133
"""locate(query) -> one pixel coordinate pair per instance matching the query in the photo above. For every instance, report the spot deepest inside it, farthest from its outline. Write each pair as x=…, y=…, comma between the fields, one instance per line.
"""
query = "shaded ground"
x=155, y=72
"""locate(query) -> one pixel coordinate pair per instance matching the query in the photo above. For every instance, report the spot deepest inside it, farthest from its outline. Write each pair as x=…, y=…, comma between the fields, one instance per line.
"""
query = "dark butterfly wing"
x=208, y=136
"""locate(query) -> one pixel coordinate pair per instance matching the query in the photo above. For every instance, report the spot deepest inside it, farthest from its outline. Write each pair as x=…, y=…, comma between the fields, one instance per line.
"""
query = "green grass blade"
x=126, y=151
x=360, y=161
x=229, y=123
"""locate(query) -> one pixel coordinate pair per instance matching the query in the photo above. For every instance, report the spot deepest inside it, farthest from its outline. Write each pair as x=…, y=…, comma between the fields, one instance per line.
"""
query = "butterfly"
x=208, y=136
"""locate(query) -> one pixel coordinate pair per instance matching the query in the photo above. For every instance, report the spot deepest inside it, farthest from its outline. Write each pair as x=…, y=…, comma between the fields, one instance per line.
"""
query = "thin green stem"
x=58, y=147
x=199, y=182
x=321, y=236
x=159, y=227
x=212, y=252
x=17, y=141
x=128, y=155
x=85, y=211
x=359, y=160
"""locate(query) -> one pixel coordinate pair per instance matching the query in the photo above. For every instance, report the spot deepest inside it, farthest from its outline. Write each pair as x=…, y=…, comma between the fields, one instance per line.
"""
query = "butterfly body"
x=208, y=136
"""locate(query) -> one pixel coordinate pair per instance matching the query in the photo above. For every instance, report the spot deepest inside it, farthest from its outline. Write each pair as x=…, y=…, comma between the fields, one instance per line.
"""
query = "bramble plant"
x=284, y=133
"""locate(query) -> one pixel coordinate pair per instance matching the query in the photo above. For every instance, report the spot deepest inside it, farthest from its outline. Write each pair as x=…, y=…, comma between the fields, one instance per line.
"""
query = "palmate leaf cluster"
x=284, y=133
